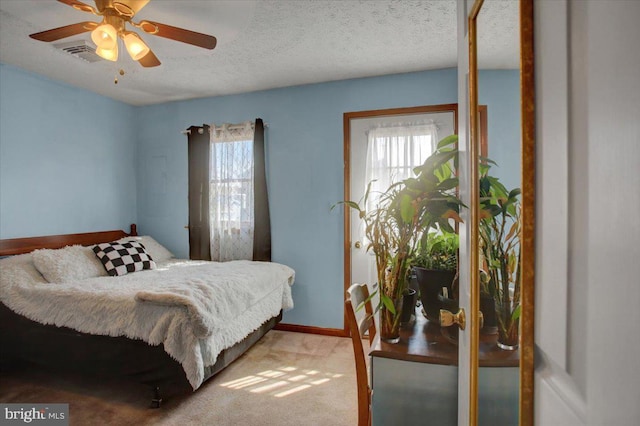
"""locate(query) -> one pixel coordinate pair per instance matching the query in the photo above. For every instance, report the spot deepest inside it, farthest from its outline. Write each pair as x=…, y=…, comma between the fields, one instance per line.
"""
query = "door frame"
x=347, y=117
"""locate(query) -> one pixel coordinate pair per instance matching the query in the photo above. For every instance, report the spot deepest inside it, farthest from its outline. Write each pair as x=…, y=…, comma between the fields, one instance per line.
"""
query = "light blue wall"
x=500, y=91
x=67, y=158
x=305, y=171
x=74, y=161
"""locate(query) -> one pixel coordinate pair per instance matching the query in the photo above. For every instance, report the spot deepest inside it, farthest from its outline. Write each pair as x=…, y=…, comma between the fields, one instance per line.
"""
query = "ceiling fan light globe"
x=105, y=36
x=108, y=54
x=135, y=46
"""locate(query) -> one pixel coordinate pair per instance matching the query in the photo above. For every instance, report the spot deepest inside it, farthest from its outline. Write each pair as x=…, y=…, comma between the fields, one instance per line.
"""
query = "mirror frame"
x=528, y=148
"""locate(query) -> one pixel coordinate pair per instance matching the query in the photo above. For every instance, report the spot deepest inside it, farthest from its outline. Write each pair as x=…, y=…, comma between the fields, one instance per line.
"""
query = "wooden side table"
x=415, y=381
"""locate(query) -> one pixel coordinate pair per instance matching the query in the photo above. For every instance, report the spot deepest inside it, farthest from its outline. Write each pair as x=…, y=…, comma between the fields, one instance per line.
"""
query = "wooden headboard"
x=13, y=246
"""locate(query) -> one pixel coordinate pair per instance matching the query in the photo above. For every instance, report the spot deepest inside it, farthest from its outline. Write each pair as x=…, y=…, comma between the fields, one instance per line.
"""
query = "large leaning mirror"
x=501, y=77
x=422, y=372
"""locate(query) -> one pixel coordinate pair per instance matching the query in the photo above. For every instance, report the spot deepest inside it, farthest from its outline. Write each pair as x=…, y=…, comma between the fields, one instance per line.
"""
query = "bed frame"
x=65, y=349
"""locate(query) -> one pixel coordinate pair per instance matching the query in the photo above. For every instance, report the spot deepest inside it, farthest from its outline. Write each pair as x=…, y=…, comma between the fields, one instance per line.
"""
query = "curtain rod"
x=234, y=127
x=438, y=124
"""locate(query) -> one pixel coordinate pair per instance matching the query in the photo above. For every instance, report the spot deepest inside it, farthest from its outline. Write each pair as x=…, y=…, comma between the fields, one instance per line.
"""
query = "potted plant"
x=390, y=235
x=500, y=237
x=397, y=221
x=435, y=263
x=435, y=260
x=500, y=247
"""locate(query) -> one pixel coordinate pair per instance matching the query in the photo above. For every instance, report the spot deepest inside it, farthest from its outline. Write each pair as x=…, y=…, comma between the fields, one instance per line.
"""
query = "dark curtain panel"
x=199, y=235
x=262, y=226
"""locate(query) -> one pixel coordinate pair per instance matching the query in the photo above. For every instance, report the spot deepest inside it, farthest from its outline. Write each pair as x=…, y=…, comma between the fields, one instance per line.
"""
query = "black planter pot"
x=488, y=309
x=431, y=283
x=408, y=306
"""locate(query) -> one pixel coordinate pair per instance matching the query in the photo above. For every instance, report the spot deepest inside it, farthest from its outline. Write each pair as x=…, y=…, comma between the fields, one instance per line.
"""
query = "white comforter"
x=195, y=309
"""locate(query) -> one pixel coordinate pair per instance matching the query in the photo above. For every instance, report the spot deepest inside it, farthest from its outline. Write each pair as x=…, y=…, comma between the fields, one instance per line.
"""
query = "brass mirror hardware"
x=358, y=244
x=448, y=318
x=453, y=318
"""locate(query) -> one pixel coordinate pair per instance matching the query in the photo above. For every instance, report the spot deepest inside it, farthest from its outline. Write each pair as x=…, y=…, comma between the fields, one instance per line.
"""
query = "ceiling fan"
x=115, y=15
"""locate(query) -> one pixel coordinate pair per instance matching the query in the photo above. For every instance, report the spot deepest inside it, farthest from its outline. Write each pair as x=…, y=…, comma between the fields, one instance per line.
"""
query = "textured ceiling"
x=261, y=44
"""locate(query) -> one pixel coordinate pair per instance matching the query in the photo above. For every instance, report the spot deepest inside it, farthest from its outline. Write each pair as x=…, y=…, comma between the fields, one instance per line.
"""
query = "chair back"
x=360, y=319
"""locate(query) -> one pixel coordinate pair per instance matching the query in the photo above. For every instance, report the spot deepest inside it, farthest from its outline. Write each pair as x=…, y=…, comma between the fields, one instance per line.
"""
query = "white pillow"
x=156, y=250
x=19, y=269
x=67, y=264
x=17, y=259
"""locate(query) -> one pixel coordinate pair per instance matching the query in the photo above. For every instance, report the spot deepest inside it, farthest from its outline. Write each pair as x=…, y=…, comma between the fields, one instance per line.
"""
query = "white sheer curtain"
x=231, y=191
x=393, y=151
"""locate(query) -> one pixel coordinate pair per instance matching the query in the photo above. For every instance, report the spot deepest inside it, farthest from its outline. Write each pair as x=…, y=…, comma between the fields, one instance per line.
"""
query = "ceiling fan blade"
x=78, y=5
x=149, y=60
x=178, y=34
x=63, y=32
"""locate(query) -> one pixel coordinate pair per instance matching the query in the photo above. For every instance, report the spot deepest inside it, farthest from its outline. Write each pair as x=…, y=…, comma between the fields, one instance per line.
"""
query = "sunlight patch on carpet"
x=269, y=387
x=282, y=381
x=243, y=382
x=290, y=391
x=271, y=373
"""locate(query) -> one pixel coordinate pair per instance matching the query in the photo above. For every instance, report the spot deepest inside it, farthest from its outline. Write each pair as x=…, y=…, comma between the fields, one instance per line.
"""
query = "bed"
x=172, y=325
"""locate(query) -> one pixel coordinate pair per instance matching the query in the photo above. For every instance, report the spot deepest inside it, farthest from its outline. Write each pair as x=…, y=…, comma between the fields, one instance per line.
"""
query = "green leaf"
x=514, y=193
x=407, y=210
x=353, y=205
x=388, y=303
x=487, y=160
x=350, y=204
x=361, y=305
x=449, y=140
x=492, y=209
x=497, y=187
x=448, y=184
x=516, y=313
x=442, y=173
x=434, y=161
x=444, y=225
x=413, y=183
x=485, y=185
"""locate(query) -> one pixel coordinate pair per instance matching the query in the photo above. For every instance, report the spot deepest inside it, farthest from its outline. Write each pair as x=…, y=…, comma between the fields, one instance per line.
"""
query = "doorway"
x=358, y=265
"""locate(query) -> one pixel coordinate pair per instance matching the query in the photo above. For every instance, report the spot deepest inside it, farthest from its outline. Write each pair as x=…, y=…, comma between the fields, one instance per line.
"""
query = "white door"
x=588, y=175
x=362, y=263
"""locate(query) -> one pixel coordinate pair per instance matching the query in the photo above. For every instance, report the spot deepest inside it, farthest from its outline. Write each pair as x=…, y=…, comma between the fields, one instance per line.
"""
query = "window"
x=231, y=183
x=393, y=152
x=231, y=192
x=229, y=215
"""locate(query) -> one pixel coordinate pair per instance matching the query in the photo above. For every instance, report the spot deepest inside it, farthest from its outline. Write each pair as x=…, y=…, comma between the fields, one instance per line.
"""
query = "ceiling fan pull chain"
x=121, y=70
x=115, y=78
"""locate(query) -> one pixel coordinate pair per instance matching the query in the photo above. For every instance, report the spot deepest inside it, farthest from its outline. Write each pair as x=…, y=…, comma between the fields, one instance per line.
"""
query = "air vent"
x=80, y=49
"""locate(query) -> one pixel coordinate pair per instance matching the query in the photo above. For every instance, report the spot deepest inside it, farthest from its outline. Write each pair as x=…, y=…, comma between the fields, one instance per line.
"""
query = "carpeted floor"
x=285, y=379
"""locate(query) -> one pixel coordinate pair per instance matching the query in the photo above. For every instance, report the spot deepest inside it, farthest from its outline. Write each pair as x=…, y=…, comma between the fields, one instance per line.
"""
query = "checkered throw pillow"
x=122, y=258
